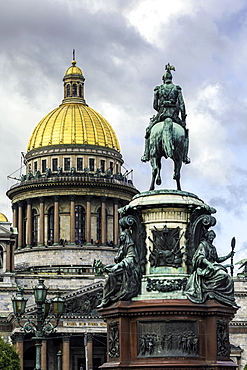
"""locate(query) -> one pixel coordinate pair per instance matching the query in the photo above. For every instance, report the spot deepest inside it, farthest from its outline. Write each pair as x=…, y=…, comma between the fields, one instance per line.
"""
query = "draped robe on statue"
x=209, y=279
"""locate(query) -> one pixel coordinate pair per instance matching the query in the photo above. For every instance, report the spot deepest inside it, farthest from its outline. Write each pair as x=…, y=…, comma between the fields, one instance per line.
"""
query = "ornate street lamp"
x=42, y=327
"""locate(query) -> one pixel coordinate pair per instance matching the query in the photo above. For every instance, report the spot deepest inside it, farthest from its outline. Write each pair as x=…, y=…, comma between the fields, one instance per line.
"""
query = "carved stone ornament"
x=165, y=285
x=174, y=338
x=223, y=345
x=166, y=249
x=84, y=305
x=113, y=339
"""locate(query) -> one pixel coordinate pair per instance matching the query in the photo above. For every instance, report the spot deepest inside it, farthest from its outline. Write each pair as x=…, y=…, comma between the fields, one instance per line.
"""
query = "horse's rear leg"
x=154, y=172
x=158, y=181
x=177, y=168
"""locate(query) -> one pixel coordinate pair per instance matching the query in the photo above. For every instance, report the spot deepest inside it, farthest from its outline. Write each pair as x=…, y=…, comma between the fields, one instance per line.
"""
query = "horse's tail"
x=168, y=141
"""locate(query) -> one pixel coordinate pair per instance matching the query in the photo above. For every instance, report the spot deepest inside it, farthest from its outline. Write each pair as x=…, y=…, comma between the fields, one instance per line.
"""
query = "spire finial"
x=73, y=54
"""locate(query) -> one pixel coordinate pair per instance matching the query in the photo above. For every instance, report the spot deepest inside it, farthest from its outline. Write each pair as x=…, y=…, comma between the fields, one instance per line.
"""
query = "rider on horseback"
x=168, y=102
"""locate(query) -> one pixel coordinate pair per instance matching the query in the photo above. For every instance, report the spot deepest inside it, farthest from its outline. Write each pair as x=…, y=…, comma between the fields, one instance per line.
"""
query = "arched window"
x=80, y=91
x=34, y=227
x=99, y=223
x=68, y=90
x=74, y=90
x=50, y=226
x=79, y=224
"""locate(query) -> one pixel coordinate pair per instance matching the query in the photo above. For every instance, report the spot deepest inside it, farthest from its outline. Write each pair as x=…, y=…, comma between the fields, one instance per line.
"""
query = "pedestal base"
x=168, y=334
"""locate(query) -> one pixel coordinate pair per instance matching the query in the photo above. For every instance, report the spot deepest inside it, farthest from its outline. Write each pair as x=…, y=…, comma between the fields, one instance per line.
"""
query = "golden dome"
x=3, y=218
x=73, y=70
x=73, y=123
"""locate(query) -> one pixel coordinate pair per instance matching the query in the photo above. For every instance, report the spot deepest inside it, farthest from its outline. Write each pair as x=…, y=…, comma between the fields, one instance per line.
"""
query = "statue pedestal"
x=163, y=212
x=168, y=334
x=161, y=328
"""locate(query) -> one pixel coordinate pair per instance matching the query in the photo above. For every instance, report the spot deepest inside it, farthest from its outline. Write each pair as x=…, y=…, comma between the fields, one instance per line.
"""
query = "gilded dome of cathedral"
x=73, y=122
x=3, y=218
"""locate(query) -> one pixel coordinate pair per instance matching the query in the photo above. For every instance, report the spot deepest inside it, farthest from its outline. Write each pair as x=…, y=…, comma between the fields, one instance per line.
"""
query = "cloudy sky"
x=122, y=47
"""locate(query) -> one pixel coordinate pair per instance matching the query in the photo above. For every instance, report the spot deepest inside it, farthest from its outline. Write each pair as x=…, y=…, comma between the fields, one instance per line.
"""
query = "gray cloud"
x=204, y=40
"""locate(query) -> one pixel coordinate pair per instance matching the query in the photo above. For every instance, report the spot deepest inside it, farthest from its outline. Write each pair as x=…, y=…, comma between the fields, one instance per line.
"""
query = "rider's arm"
x=181, y=104
x=156, y=98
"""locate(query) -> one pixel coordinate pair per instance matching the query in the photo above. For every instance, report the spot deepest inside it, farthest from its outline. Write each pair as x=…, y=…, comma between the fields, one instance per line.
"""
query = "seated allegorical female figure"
x=124, y=278
x=209, y=278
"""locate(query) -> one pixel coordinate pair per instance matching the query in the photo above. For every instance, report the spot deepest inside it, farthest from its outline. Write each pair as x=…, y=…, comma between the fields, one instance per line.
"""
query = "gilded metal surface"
x=3, y=218
x=73, y=69
x=73, y=124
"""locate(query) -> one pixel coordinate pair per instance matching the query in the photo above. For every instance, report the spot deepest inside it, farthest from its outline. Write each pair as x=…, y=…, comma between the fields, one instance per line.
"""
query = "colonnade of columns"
x=25, y=230
x=18, y=340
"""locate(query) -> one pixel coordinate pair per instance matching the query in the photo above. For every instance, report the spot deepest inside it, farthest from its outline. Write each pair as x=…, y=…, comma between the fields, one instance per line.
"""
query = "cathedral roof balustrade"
x=53, y=180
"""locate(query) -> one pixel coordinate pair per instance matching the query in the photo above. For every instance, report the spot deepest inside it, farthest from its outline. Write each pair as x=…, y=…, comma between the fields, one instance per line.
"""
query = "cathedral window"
x=99, y=224
x=50, y=226
x=68, y=90
x=34, y=227
x=35, y=166
x=66, y=164
x=102, y=165
x=79, y=224
x=74, y=90
x=111, y=167
x=80, y=91
x=91, y=164
x=43, y=165
x=79, y=164
x=54, y=164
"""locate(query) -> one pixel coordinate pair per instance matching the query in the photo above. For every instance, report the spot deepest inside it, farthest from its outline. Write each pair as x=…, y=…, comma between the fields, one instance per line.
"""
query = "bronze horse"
x=167, y=139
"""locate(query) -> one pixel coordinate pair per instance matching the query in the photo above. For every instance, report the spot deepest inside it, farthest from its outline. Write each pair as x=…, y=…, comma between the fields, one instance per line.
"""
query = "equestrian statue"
x=167, y=135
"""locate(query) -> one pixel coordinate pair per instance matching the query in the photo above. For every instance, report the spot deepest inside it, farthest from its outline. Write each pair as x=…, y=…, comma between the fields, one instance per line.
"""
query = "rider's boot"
x=146, y=156
x=186, y=159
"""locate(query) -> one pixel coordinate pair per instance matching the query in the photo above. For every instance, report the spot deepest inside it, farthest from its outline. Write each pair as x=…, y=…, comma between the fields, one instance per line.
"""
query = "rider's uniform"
x=168, y=102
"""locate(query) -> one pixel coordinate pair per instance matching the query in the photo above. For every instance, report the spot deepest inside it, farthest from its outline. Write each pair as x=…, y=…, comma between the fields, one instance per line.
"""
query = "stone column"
x=29, y=223
x=115, y=221
x=72, y=219
x=56, y=220
x=88, y=219
x=15, y=221
x=18, y=339
x=66, y=352
x=88, y=342
x=12, y=255
x=20, y=224
x=8, y=258
x=41, y=222
x=103, y=220
x=44, y=355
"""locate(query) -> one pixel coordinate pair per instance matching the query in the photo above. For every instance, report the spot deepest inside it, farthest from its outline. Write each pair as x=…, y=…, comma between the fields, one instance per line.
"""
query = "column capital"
x=66, y=337
x=20, y=203
x=72, y=197
x=103, y=199
x=41, y=199
x=116, y=201
x=56, y=198
x=88, y=198
x=14, y=206
x=17, y=337
x=88, y=337
x=29, y=201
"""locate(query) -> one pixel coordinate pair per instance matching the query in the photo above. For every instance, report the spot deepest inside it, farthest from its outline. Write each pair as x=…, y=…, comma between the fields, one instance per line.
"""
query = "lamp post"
x=42, y=327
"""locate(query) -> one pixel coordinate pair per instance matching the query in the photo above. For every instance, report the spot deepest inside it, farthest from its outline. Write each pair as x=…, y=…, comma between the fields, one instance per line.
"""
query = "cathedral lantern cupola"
x=74, y=84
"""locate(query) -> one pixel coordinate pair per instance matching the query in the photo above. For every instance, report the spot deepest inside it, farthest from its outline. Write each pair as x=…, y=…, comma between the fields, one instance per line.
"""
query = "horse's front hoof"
x=158, y=181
